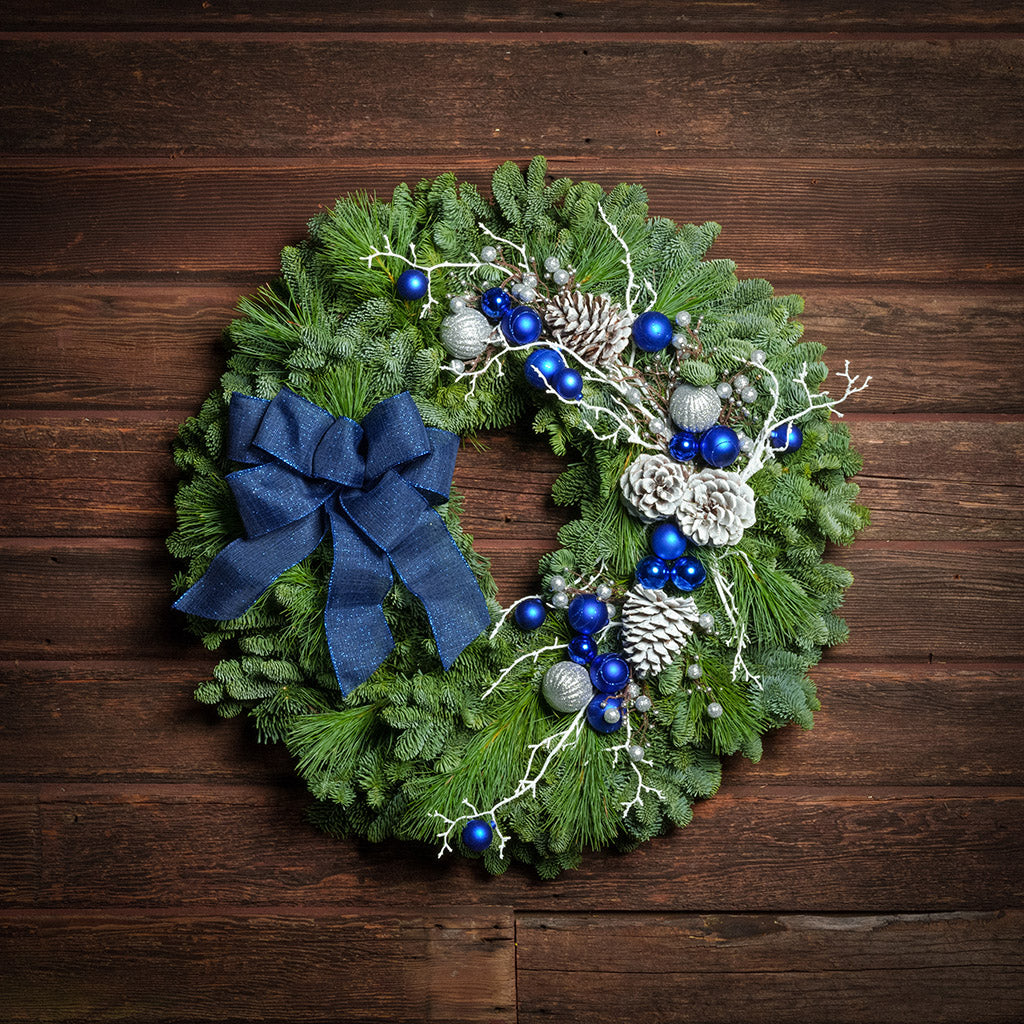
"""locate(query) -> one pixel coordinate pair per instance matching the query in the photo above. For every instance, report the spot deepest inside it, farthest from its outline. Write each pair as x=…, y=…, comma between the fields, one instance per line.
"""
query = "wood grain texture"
x=194, y=96
x=625, y=16
x=429, y=964
x=898, y=967
x=857, y=850
x=157, y=346
x=932, y=725
x=950, y=222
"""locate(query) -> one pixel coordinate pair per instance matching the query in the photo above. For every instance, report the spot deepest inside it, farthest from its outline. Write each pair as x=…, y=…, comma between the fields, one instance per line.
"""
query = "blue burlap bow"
x=372, y=485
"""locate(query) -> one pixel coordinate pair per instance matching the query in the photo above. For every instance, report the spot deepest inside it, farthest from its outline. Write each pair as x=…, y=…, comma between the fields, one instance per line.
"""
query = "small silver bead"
x=458, y=304
x=631, y=394
x=560, y=600
x=740, y=382
x=551, y=264
x=715, y=710
x=558, y=583
x=746, y=445
x=694, y=671
x=683, y=318
x=457, y=366
x=643, y=703
x=658, y=425
x=706, y=621
x=758, y=357
x=527, y=293
x=635, y=752
x=612, y=610
x=749, y=394
x=680, y=341
x=603, y=592
x=560, y=277
x=611, y=715
x=488, y=254
x=632, y=691
x=723, y=390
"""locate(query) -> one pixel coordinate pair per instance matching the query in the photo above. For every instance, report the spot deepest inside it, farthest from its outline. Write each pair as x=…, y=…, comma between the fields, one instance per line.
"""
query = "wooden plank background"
x=154, y=158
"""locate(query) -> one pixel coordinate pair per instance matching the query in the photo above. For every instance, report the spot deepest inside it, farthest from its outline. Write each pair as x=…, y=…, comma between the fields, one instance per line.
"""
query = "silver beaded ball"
x=457, y=366
x=527, y=293
x=680, y=341
x=658, y=425
x=551, y=264
x=611, y=715
x=558, y=583
x=488, y=254
x=465, y=334
x=715, y=710
x=612, y=610
x=635, y=752
x=643, y=703
x=740, y=382
x=758, y=357
x=567, y=687
x=723, y=390
x=749, y=394
x=694, y=671
x=631, y=394
x=530, y=280
x=706, y=621
x=694, y=409
x=560, y=277
x=603, y=592
x=458, y=304
x=746, y=445
x=683, y=318
x=560, y=600
x=632, y=691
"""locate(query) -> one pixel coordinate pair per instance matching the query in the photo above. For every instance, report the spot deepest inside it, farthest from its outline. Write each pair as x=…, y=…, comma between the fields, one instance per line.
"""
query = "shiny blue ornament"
x=521, y=325
x=652, y=331
x=582, y=649
x=786, y=437
x=653, y=573
x=477, y=835
x=530, y=614
x=569, y=384
x=719, y=446
x=542, y=366
x=595, y=714
x=684, y=446
x=495, y=303
x=667, y=542
x=587, y=615
x=609, y=673
x=411, y=284
x=688, y=573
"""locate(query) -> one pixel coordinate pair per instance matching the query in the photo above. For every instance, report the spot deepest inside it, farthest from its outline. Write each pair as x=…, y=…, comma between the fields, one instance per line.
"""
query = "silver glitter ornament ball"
x=635, y=752
x=560, y=277
x=603, y=592
x=559, y=599
x=694, y=671
x=557, y=583
x=715, y=710
x=465, y=334
x=706, y=621
x=567, y=687
x=643, y=703
x=683, y=318
x=611, y=715
x=694, y=409
x=723, y=390
x=488, y=254
x=551, y=264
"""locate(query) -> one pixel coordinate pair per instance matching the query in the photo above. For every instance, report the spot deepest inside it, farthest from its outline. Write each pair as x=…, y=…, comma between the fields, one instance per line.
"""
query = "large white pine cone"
x=655, y=627
x=590, y=325
x=653, y=486
x=715, y=508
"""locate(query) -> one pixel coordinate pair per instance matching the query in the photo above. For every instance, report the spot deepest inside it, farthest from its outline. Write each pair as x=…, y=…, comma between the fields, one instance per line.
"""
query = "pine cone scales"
x=653, y=486
x=589, y=325
x=715, y=508
x=655, y=627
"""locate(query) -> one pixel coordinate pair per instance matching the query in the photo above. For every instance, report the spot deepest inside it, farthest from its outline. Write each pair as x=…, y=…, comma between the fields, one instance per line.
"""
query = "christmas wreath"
x=688, y=599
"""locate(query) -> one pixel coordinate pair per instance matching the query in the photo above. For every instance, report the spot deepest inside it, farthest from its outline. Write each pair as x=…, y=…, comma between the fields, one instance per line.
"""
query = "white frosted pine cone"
x=715, y=508
x=590, y=325
x=653, y=486
x=655, y=627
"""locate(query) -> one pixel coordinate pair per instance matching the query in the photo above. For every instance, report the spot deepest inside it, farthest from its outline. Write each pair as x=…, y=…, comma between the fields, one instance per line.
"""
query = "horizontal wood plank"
x=922, y=725
x=113, y=476
x=623, y=17
x=196, y=96
x=898, y=967
x=442, y=964
x=112, y=599
x=857, y=850
x=790, y=218
x=124, y=346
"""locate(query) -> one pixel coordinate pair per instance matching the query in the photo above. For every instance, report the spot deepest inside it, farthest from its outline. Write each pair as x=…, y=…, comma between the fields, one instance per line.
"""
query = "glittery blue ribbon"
x=372, y=486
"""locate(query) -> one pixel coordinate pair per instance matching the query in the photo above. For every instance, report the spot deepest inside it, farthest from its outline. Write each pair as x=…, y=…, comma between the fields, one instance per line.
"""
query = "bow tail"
x=358, y=636
x=243, y=570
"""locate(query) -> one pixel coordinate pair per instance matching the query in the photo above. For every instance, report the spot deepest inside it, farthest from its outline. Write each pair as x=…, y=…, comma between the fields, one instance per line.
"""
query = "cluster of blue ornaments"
x=669, y=562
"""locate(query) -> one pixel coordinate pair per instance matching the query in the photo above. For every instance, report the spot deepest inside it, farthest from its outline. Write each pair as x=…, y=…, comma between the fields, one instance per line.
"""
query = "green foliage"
x=414, y=746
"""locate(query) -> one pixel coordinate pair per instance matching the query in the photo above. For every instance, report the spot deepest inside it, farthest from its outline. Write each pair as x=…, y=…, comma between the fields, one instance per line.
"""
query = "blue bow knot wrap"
x=372, y=486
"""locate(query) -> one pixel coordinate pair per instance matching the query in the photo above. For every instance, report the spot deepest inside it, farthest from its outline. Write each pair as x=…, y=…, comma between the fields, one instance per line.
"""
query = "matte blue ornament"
x=582, y=649
x=786, y=437
x=652, y=331
x=530, y=614
x=587, y=615
x=688, y=573
x=411, y=284
x=521, y=325
x=595, y=714
x=569, y=384
x=609, y=673
x=477, y=835
x=667, y=542
x=720, y=446
x=542, y=366
x=684, y=446
x=653, y=573
x=495, y=303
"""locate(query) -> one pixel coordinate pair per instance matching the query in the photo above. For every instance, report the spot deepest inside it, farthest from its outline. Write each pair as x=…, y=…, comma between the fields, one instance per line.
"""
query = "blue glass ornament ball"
x=653, y=573
x=411, y=284
x=595, y=713
x=530, y=614
x=569, y=384
x=587, y=615
x=688, y=573
x=495, y=303
x=720, y=446
x=786, y=437
x=521, y=325
x=609, y=673
x=542, y=366
x=652, y=331
x=667, y=542
x=582, y=649
x=684, y=446
x=477, y=835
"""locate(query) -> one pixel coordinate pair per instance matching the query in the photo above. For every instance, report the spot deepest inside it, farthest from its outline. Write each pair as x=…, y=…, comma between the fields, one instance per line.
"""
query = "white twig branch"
x=521, y=249
x=627, y=260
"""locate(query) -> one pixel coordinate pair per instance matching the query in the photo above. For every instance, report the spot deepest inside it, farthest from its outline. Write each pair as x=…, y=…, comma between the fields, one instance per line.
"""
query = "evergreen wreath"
x=689, y=596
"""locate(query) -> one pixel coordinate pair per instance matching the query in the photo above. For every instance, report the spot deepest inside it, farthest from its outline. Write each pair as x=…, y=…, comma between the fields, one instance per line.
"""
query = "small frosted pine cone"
x=592, y=326
x=652, y=486
x=655, y=628
x=715, y=508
